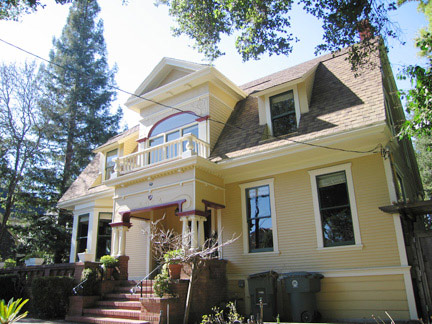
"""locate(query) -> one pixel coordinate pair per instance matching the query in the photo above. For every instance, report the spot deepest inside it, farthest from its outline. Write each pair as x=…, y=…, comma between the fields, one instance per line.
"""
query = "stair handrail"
x=80, y=286
x=140, y=283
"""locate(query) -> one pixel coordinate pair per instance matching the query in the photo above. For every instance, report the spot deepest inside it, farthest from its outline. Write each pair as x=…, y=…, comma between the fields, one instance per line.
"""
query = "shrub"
x=108, y=261
x=174, y=256
x=11, y=286
x=220, y=317
x=89, y=280
x=50, y=296
x=9, y=263
x=9, y=312
x=162, y=284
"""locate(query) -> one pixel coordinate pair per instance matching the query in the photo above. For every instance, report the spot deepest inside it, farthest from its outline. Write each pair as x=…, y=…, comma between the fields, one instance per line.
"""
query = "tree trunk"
x=8, y=207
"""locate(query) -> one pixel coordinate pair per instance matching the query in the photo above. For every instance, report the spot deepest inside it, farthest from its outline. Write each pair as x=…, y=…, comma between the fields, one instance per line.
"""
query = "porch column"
x=115, y=242
x=122, y=241
x=185, y=231
x=201, y=221
x=194, y=233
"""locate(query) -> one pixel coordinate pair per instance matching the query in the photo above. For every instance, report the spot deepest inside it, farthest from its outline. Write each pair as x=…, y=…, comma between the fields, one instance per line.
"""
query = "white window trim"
x=180, y=129
x=351, y=194
x=243, y=187
x=275, y=93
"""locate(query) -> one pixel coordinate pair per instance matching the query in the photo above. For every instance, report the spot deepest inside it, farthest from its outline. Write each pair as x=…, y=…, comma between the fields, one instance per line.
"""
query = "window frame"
x=272, y=118
x=106, y=177
x=79, y=235
x=243, y=188
x=97, y=234
x=351, y=196
x=279, y=91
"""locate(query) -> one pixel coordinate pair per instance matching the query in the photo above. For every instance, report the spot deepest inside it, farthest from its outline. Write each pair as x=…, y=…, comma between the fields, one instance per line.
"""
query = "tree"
x=423, y=147
x=262, y=26
x=13, y=9
x=419, y=98
x=79, y=87
x=21, y=132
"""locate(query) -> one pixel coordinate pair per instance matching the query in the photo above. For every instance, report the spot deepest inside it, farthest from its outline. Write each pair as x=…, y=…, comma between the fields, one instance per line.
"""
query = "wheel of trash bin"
x=306, y=317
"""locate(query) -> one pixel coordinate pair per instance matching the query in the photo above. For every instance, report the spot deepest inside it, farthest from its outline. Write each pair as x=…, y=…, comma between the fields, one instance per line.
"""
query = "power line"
x=377, y=149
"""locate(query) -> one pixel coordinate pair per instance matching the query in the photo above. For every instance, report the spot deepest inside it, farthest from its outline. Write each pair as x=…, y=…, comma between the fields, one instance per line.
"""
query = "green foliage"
x=11, y=286
x=174, y=256
x=423, y=147
x=9, y=313
x=231, y=317
x=108, y=261
x=90, y=282
x=162, y=283
x=264, y=26
x=13, y=9
x=50, y=296
x=9, y=263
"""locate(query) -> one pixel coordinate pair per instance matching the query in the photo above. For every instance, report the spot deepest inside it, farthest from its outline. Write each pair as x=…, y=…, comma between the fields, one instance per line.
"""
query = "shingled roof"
x=340, y=102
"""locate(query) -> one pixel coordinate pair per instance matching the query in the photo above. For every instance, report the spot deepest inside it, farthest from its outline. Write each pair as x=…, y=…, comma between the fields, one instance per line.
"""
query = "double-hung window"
x=335, y=208
x=103, y=246
x=259, y=217
x=283, y=113
x=82, y=233
x=111, y=156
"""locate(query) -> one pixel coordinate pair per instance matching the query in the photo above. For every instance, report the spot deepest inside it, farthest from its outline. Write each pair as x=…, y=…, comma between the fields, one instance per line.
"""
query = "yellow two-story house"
x=296, y=163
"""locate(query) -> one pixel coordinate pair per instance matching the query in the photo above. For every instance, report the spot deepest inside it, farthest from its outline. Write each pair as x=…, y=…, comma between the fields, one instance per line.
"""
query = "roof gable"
x=167, y=71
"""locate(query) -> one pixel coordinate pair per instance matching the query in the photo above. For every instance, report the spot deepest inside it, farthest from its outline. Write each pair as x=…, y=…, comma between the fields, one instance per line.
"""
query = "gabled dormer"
x=282, y=103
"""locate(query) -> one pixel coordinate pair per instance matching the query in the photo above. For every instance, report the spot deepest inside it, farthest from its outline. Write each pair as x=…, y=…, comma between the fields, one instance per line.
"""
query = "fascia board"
x=69, y=204
x=286, y=84
x=201, y=76
x=293, y=148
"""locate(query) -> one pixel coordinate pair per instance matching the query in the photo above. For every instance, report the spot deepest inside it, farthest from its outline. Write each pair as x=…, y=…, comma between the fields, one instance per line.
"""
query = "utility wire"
x=377, y=149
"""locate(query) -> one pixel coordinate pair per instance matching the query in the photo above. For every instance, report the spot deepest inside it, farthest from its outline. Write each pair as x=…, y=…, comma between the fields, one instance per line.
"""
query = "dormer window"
x=283, y=113
x=110, y=163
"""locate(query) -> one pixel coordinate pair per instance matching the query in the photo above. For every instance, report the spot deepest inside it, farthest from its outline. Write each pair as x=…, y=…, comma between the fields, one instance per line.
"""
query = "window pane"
x=110, y=163
x=259, y=219
x=103, y=245
x=173, y=122
x=191, y=130
x=284, y=125
x=281, y=104
x=260, y=234
x=82, y=233
x=337, y=227
x=335, y=209
x=156, y=141
x=173, y=136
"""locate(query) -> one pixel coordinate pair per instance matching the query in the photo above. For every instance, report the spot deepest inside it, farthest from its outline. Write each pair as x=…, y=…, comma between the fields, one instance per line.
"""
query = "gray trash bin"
x=302, y=287
x=263, y=285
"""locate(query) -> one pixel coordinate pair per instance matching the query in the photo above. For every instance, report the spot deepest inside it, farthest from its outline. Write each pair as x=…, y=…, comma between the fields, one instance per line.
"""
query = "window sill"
x=341, y=248
x=270, y=253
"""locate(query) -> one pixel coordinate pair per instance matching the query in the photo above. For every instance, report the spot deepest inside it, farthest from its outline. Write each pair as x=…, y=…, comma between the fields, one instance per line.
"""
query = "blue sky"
x=138, y=35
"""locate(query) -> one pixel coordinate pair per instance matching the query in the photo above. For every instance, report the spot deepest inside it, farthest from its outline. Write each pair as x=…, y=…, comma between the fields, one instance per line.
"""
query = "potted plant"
x=34, y=258
x=109, y=263
x=85, y=256
x=173, y=259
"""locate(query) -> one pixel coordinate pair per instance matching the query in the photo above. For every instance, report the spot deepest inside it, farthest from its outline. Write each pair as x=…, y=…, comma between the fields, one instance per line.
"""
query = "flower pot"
x=34, y=261
x=174, y=270
x=85, y=256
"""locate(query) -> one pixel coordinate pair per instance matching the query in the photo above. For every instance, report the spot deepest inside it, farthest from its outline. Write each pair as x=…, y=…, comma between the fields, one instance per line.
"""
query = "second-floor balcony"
x=182, y=147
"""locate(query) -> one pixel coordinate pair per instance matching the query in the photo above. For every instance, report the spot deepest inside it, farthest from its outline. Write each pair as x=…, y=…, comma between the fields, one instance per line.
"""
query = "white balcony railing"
x=185, y=146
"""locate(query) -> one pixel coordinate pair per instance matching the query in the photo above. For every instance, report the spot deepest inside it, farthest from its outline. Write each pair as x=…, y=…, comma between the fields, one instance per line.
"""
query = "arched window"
x=172, y=128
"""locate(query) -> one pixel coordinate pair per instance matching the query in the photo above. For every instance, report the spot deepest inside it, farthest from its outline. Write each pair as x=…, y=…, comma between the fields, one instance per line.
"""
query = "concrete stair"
x=120, y=306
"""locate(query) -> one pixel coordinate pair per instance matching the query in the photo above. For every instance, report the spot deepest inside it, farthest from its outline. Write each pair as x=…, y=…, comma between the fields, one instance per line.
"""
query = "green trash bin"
x=302, y=287
x=263, y=286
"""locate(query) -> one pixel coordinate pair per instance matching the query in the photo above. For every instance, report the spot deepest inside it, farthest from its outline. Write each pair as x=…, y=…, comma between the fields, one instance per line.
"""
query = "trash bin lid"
x=303, y=274
x=265, y=274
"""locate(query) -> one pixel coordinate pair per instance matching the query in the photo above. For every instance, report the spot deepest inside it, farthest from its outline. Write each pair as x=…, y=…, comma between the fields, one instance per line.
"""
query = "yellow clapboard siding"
x=389, y=295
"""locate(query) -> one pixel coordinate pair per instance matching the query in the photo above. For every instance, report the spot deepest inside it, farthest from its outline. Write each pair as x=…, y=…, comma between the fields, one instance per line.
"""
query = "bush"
x=108, y=261
x=90, y=286
x=50, y=296
x=11, y=286
x=9, y=263
x=219, y=316
x=162, y=284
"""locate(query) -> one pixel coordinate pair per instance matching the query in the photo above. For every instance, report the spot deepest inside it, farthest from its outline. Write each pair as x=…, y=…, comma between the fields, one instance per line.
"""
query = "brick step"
x=103, y=320
x=112, y=312
x=119, y=304
x=122, y=296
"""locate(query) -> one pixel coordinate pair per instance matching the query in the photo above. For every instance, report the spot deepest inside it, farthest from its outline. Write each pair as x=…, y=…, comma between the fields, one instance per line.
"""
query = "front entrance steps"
x=121, y=307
